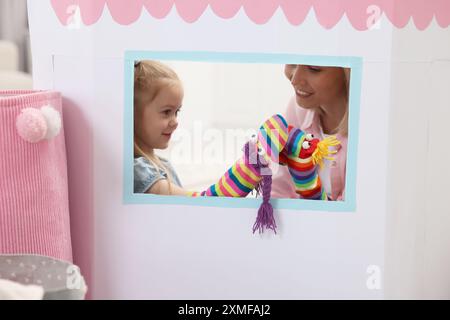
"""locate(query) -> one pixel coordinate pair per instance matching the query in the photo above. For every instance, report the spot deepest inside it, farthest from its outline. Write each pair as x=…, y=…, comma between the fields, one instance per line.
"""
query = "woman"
x=320, y=107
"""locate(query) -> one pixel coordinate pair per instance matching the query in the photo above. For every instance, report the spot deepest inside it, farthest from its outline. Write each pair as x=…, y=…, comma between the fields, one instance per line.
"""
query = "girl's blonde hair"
x=149, y=78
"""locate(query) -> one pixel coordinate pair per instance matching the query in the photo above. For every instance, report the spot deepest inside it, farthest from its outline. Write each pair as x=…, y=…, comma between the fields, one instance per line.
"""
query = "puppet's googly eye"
x=253, y=137
x=306, y=145
x=309, y=136
x=261, y=151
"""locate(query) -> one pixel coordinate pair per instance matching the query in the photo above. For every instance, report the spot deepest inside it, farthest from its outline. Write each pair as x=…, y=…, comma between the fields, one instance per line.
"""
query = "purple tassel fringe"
x=265, y=218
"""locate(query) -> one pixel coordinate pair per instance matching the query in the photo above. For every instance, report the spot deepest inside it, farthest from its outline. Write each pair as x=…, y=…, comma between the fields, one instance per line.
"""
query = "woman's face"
x=317, y=86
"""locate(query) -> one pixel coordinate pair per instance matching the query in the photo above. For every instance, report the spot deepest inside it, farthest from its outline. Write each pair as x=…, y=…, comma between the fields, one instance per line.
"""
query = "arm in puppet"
x=252, y=171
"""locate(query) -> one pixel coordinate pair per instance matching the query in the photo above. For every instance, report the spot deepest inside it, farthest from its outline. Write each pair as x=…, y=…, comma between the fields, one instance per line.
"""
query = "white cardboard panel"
x=173, y=252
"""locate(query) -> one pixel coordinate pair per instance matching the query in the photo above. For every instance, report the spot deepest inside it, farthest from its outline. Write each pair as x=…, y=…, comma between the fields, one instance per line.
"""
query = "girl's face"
x=317, y=86
x=155, y=121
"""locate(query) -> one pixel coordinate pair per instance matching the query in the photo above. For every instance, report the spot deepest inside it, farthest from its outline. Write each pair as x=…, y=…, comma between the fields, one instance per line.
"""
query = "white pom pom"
x=31, y=125
x=53, y=119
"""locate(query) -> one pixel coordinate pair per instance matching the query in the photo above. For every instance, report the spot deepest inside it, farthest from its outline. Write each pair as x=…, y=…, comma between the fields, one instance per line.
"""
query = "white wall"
x=418, y=217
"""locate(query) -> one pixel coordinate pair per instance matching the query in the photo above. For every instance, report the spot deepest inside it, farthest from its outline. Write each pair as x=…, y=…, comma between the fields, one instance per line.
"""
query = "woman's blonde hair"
x=343, y=125
x=149, y=78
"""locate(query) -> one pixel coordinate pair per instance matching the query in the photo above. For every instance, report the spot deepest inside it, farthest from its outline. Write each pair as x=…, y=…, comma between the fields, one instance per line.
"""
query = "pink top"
x=308, y=121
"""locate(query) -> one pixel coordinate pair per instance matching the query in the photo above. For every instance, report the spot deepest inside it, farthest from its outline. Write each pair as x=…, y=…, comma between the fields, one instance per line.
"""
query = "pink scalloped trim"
x=361, y=13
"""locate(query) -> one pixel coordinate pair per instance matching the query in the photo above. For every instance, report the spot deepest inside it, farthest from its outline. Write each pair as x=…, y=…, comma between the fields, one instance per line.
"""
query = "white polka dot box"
x=58, y=279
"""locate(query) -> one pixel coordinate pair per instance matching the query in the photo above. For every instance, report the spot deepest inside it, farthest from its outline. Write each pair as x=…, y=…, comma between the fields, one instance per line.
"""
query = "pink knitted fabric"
x=34, y=205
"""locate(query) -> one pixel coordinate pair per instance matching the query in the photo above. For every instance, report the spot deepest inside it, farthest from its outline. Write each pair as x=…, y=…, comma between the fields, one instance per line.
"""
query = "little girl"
x=158, y=96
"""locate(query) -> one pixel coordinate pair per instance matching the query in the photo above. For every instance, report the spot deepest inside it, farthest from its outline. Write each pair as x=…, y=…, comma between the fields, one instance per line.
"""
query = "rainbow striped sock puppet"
x=302, y=154
x=252, y=171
